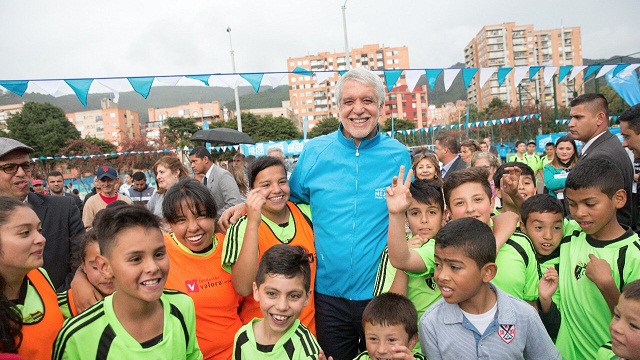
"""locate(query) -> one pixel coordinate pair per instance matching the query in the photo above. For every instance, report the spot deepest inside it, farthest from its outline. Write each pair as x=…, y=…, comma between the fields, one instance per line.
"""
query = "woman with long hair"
x=555, y=173
x=168, y=170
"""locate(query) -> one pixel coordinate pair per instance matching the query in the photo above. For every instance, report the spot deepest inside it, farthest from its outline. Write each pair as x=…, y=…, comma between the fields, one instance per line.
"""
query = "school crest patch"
x=580, y=270
x=507, y=333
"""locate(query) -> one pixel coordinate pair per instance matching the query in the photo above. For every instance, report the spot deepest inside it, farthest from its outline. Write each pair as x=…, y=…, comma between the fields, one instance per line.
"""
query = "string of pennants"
x=566, y=121
x=142, y=84
x=114, y=154
x=474, y=124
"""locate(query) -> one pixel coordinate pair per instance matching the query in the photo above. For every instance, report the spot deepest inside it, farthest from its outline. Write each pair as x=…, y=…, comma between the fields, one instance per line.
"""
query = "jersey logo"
x=580, y=270
x=507, y=333
x=380, y=193
x=33, y=317
x=192, y=286
x=430, y=283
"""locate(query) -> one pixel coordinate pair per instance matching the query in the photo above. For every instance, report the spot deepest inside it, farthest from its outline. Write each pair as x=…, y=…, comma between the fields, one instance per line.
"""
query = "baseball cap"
x=37, y=182
x=8, y=145
x=532, y=142
x=106, y=171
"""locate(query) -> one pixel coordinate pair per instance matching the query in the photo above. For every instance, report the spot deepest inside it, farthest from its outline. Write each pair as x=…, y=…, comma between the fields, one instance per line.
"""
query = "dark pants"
x=339, y=326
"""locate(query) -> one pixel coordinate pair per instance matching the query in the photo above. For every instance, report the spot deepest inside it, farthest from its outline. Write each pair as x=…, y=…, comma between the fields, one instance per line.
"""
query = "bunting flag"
x=115, y=85
x=619, y=68
x=605, y=69
x=412, y=77
x=432, y=76
x=322, y=76
x=590, y=70
x=169, y=80
x=391, y=77
x=17, y=87
x=301, y=71
x=629, y=70
x=502, y=74
x=203, y=78
x=254, y=80
x=627, y=87
x=485, y=74
x=467, y=76
x=549, y=71
x=231, y=81
x=276, y=79
x=564, y=71
x=141, y=85
x=51, y=87
x=533, y=70
x=576, y=70
x=81, y=88
x=449, y=76
x=519, y=74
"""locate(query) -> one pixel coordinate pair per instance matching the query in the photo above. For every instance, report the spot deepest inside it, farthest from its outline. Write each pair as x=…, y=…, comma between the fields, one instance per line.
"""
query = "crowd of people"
x=364, y=250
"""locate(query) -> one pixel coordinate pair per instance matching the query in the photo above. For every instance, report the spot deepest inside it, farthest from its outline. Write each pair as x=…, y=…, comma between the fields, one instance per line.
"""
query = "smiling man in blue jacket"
x=343, y=176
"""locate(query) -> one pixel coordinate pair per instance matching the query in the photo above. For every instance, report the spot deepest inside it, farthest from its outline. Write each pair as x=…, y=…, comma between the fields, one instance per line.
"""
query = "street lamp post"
x=346, y=43
x=235, y=89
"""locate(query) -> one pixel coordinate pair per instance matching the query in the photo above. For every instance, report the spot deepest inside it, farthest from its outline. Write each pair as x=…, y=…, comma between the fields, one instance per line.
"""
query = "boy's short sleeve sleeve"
x=426, y=252
x=385, y=274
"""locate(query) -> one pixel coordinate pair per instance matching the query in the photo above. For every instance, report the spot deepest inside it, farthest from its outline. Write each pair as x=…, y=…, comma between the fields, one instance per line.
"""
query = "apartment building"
x=6, y=111
x=312, y=100
x=109, y=123
x=201, y=112
x=511, y=45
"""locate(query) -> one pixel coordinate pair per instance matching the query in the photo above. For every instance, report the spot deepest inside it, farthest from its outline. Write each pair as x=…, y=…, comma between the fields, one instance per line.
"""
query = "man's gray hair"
x=361, y=75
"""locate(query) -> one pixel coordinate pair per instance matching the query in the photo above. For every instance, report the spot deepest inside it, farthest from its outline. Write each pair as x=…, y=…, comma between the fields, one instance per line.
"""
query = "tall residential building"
x=312, y=101
x=6, y=111
x=511, y=45
x=109, y=123
x=199, y=111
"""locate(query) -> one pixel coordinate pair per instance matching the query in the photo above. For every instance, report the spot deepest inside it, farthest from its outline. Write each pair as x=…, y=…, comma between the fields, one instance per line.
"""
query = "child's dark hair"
x=196, y=196
x=389, y=309
x=477, y=175
x=471, y=235
x=526, y=170
x=631, y=291
x=519, y=142
x=287, y=260
x=90, y=237
x=7, y=206
x=597, y=173
x=427, y=192
x=262, y=163
x=117, y=219
x=540, y=203
x=10, y=323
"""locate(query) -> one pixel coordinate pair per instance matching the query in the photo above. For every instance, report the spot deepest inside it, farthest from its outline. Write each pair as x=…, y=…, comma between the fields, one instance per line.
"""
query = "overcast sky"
x=43, y=39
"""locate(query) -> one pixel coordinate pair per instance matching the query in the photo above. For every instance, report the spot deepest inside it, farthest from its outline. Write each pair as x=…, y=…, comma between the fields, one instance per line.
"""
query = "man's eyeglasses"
x=11, y=169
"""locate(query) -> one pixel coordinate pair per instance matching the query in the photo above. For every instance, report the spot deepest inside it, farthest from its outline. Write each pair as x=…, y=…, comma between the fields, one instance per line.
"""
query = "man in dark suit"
x=61, y=223
x=490, y=148
x=590, y=124
x=447, y=149
x=55, y=182
x=219, y=181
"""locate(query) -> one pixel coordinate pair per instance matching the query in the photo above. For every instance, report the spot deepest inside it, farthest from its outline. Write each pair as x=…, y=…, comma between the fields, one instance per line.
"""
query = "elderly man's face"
x=359, y=110
x=15, y=185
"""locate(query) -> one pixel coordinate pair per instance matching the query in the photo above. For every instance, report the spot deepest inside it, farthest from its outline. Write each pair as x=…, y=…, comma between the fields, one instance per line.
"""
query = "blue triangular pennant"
x=467, y=76
x=301, y=71
x=432, y=76
x=391, y=77
x=619, y=68
x=17, y=87
x=254, y=80
x=533, y=70
x=502, y=74
x=81, y=88
x=203, y=78
x=564, y=71
x=342, y=72
x=142, y=85
x=591, y=69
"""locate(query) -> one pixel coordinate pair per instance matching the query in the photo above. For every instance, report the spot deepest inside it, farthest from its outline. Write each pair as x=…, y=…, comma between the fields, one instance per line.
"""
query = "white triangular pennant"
x=576, y=70
x=485, y=74
x=51, y=87
x=549, y=71
x=605, y=69
x=519, y=73
x=323, y=76
x=276, y=79
x=231, y=81
x=169, y=80
x=412, y=77
x=115, y=85
x=449, y=76
x=627, y=71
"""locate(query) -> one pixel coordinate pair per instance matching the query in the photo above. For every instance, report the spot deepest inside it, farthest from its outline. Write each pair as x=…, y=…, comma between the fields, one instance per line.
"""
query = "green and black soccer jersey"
x=606, y=353
x=584, y=311
x=365, y=356
x=296, y=344
x=96, y=333
x=518, y=272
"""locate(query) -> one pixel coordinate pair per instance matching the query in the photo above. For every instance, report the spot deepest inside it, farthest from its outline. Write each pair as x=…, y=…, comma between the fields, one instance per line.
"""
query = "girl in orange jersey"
x=271, y=219
x=195, y=253
x=28, y=286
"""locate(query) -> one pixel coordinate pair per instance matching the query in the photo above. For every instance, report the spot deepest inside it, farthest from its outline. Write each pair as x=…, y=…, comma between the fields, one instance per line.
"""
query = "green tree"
x=323, y=127
x=263, y=129
x=179, y=130
x=398, y=124
x=44, y=127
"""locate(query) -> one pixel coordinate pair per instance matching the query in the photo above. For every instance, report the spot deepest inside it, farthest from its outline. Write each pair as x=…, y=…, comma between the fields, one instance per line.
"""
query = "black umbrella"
x=222, y=136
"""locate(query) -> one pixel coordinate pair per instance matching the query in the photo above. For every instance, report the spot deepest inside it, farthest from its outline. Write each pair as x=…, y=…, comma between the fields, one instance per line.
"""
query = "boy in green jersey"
x=542, y=221
x=390, y=329
x=624, y=327
x=282, y=288
x=140, y=319
x=595, y=263
x=511, y=200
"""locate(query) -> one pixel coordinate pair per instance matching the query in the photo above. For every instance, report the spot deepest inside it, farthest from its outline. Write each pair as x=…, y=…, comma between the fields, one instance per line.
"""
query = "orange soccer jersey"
x=266, y=239
x=202, y=278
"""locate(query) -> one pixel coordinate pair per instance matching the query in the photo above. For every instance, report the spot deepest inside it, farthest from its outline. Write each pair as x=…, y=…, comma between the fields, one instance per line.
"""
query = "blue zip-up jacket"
x=346, y=186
